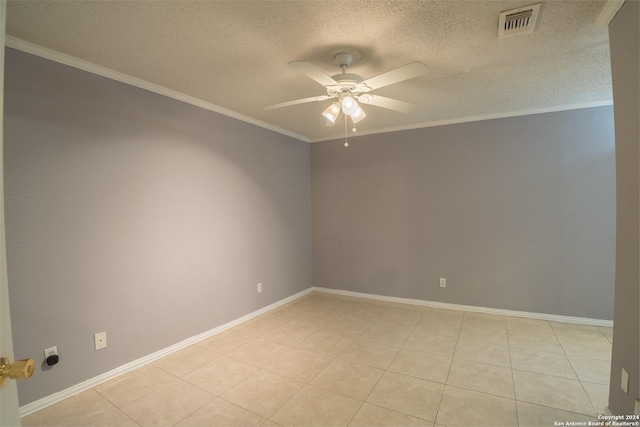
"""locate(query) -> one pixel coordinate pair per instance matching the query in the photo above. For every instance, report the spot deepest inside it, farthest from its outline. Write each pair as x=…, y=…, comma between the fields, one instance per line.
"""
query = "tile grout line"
x=513, y=380
x=260, y=368
x=393, y=372
x=455, y=347
x=377, y=382
x=309, y=384
x=385, y=370
x=143, y=395
x=197, y=409
x=574, y=370
x=241, y=407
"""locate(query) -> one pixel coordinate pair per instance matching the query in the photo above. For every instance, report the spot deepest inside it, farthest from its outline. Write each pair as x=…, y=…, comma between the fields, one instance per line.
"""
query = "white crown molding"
x=608, y=12
x=95, y=381
x=499, y=311
x=46, y=53
x=468, y=119
x=90, y=67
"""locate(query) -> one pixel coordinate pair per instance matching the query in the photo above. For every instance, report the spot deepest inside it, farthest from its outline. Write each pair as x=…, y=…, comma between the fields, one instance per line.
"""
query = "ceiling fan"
x=351, y=89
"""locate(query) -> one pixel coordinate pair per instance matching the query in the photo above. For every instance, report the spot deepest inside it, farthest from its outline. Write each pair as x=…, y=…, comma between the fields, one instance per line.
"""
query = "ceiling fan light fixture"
x=358, y=115
x=349, y=105
x=332, y=112
x=348, y=90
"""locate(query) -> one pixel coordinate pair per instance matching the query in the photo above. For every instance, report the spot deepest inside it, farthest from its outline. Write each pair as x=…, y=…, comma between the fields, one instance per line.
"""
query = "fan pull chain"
x=346, y=140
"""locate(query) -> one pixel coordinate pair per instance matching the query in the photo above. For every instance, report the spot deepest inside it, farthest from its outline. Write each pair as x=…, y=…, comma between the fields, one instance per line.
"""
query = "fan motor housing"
x=347, y=80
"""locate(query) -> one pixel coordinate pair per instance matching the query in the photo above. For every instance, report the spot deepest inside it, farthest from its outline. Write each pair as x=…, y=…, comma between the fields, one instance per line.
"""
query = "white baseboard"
x=526, y=314
x=93, y=382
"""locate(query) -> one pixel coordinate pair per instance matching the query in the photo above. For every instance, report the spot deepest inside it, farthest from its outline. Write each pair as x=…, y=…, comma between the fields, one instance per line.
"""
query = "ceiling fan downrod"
x=343, y=60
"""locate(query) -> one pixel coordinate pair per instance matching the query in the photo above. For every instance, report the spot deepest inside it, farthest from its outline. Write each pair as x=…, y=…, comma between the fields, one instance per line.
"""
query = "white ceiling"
x=234, y=54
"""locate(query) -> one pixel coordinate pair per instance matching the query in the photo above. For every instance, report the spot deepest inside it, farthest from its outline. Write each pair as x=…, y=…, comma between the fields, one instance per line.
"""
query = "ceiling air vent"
x=518, y=21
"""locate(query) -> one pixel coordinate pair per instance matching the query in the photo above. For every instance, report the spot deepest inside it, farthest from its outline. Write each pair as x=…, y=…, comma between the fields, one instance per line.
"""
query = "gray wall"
x=624, y=36
x=153, y=220
x=516, y=213
x=135, y=214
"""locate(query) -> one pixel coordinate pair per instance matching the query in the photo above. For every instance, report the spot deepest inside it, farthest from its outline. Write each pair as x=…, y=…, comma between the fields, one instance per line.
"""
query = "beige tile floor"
x=326, y=360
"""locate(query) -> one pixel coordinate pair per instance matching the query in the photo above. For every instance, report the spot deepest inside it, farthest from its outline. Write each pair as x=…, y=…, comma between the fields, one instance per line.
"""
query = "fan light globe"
x=332, y=112
x=358, y=115
x=349, y=105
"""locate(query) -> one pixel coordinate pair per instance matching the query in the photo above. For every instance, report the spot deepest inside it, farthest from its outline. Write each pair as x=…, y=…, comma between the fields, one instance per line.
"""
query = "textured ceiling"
x=234, y=54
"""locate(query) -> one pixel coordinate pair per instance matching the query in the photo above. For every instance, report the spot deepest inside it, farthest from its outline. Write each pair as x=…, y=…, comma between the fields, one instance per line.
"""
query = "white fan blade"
x=388, y=103
x=406, y=72
x=296, y=102
x=313, y=72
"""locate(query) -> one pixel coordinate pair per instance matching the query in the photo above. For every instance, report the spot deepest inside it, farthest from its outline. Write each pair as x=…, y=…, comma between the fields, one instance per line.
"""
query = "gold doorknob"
x=18, y=370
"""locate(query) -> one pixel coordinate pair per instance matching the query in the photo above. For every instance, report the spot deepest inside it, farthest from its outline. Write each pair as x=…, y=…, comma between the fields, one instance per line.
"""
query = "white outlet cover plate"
x=100, y=340
x=49, y=351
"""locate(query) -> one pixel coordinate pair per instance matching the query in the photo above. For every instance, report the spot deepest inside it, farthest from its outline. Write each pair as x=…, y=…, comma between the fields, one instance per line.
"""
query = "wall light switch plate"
x=100, y=340
x=443, y=282
x=624, y=381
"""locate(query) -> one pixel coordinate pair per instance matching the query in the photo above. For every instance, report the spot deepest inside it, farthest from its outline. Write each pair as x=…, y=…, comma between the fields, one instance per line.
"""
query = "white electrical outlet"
x=51, y=351
x=100, y=340
x=624, y=381
x=259, y=287
x=443, y=282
